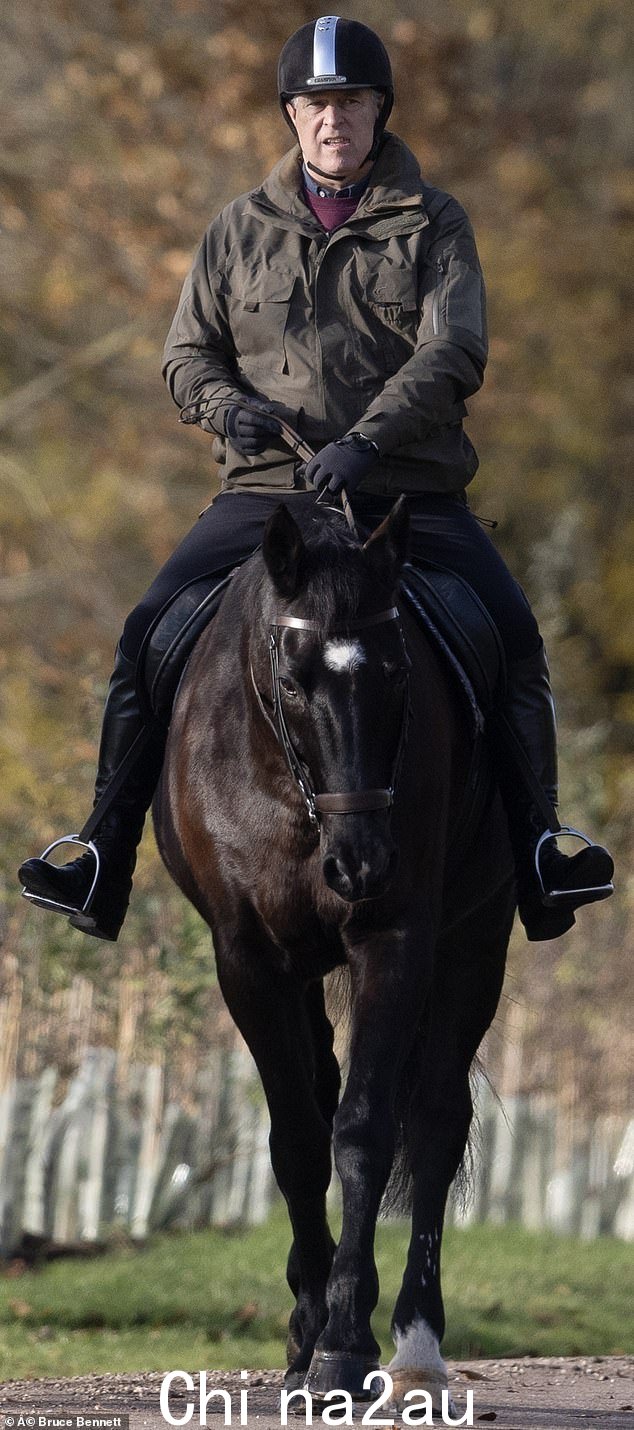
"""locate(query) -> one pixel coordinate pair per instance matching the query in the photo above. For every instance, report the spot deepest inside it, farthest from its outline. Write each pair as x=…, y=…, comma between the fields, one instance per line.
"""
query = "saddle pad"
x=449, y=609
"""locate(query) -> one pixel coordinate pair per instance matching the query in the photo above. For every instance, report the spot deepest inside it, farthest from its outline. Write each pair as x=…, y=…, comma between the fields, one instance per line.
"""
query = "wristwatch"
x=359, y=441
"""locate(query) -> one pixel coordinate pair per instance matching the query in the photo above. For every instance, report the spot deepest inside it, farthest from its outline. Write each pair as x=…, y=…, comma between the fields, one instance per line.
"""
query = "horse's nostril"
x=337, y=876
x=366, y=880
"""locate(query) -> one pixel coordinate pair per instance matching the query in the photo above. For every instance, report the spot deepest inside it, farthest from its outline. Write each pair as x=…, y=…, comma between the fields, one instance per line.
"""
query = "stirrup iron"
x=551, y=898
x=40, y=899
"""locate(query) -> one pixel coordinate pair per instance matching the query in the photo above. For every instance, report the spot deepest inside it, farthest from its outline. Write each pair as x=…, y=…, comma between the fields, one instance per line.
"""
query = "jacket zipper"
x=435, y=307
x=321, y=254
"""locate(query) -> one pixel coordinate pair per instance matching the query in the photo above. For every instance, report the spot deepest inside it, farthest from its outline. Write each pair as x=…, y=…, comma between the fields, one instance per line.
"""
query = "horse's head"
x=338, y=685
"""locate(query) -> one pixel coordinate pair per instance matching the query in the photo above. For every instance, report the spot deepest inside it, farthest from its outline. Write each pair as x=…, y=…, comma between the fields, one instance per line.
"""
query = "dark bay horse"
x=312, y=791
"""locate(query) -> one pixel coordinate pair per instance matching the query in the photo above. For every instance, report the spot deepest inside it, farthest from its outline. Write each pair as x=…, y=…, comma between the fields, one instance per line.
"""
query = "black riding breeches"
x=444, y=531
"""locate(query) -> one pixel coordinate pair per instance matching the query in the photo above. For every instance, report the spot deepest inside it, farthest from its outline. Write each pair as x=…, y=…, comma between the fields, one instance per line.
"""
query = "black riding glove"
x=343, y=463
x=250, y=430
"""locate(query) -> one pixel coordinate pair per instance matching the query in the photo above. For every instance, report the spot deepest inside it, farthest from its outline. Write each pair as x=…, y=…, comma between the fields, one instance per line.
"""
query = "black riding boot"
x=550, y=884
x=117, y=835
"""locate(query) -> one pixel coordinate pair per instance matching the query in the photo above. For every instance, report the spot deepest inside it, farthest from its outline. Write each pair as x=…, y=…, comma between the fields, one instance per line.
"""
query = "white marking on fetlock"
x=417, y=1349
x=343, y=655
x=417, y=1365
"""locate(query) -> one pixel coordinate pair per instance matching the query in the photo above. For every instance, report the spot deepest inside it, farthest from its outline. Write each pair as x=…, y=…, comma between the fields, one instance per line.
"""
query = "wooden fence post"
x=624, y=1173
x=34, y=1217
x=15, y=1111
x=148, y=1150
x=94, y=1127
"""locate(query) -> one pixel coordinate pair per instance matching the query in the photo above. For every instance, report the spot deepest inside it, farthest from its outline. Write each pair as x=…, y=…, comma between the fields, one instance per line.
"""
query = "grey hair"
x=377, y=93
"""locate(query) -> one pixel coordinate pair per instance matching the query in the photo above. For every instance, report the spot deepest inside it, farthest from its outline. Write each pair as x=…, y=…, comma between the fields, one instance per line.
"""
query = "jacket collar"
x=395, y=183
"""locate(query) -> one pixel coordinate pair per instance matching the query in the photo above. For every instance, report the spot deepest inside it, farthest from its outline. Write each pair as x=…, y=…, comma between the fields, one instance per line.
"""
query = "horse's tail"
x=397, y=1198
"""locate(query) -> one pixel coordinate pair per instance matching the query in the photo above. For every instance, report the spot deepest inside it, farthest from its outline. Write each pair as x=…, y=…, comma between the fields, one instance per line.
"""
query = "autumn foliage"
x=126, y=125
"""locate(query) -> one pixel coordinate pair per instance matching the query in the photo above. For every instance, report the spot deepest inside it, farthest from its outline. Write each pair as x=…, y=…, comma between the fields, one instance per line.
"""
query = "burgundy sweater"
x=331, y=211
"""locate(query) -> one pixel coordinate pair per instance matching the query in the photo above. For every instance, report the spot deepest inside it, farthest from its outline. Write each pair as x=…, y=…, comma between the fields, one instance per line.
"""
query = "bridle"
x=340, y=802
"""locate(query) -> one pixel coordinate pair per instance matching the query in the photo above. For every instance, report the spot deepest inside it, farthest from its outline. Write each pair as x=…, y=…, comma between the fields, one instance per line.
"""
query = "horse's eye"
x=288, y=686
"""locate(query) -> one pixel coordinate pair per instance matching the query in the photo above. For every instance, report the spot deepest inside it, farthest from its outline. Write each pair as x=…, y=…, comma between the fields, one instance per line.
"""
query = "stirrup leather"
x=40, y=899
x=553, y=897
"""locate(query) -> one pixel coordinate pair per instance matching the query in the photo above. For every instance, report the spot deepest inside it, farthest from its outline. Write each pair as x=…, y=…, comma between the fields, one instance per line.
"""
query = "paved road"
x=527, y=1394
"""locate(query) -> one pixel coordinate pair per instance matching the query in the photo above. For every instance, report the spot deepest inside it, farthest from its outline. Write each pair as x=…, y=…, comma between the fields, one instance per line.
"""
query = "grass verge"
x=211, y=1300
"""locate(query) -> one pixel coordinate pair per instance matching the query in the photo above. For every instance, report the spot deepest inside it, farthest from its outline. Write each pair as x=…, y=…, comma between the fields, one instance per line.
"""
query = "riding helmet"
x=331, y=53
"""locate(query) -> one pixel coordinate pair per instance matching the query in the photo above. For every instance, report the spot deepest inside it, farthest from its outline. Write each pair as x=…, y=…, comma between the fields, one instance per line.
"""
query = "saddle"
x=448, y=609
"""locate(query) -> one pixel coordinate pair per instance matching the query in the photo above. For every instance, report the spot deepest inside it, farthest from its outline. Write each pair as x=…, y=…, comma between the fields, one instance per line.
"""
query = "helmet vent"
x=324, y=52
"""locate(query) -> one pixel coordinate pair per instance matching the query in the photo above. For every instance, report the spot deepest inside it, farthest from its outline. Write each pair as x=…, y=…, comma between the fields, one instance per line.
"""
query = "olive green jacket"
x=377, y=327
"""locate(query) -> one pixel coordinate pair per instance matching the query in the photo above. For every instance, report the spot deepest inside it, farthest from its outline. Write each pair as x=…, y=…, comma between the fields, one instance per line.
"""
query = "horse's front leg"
x=290, y=1038
x=309, y=1314
x=467, y=985
x=391, y=975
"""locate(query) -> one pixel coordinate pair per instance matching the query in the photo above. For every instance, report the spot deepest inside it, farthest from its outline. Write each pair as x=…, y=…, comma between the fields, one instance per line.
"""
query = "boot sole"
x=576, y=898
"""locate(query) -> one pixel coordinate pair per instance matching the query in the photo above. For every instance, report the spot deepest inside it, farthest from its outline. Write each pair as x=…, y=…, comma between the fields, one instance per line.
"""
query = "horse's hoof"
x=431, y=1379
x=341, y=1370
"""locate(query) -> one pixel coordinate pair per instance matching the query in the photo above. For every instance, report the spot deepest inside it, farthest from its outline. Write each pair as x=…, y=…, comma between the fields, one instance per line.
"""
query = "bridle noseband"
x=346, y=801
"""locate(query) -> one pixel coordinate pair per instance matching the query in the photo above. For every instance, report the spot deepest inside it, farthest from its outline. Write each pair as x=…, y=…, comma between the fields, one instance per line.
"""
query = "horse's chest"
x=303, y=927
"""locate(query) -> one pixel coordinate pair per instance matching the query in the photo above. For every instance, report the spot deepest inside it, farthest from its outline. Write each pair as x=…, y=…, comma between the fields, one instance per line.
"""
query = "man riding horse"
x=343, y=295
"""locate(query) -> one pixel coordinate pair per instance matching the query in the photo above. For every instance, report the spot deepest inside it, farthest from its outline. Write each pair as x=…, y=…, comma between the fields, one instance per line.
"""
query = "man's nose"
x=333, y=114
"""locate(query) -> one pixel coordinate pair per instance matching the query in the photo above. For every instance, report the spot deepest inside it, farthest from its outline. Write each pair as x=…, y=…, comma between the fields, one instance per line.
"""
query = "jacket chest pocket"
x=389, y=296
x=260, y=305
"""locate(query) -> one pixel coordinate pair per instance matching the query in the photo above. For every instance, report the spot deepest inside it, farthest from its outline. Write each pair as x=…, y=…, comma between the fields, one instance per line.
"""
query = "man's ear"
x=388, y=546
x=283, y=549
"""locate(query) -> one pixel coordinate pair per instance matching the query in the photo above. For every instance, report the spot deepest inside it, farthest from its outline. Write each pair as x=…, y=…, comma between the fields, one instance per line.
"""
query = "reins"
x=194, y=412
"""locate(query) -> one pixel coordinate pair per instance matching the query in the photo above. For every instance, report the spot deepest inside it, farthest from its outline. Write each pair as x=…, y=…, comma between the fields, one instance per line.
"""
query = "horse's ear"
x=283, y=548
x=388, y=546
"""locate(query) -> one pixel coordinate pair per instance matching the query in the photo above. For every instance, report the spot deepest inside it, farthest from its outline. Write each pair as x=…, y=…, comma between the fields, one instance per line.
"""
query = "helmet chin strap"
x=324, y=175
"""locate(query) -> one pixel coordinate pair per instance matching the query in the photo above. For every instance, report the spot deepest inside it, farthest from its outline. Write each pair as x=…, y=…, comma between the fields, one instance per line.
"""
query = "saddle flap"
x=171, y=638
x=461, y=627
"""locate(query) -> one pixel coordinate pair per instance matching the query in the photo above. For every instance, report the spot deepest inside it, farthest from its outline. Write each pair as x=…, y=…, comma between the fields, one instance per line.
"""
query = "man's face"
x=336, y=130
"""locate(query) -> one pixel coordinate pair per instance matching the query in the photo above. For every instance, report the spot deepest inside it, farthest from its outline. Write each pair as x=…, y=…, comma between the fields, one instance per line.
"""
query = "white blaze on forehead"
x=343, y=655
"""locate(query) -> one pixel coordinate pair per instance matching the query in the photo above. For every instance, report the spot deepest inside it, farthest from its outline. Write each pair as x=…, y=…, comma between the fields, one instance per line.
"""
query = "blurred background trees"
x=126, y=125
